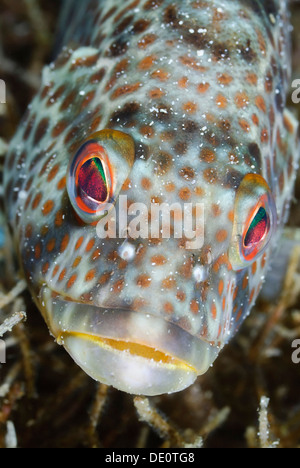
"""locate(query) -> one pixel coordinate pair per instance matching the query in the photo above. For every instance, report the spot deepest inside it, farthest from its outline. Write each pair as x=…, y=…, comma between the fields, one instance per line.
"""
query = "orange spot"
x=261, y=42
x=252, y=78
x=203, y=87
x=255, y=120
x=231, y=216
x=90, y=245
x=127, y=185
x=62, y=275
x=221, y=101
x=254, y=268
x=252, y=295
x=146, y=41
x=147, y=131
x=193, y=63
x=221, y=235
x=96, y=254
x=190, y=107
x=221, y=287
x=119, y=286
x=44, y=231
x=143, y=281
x=194, y=306
x=199, y=191
x=241, y=100
x=170, y=187
x=260, y=103
x=62, y=183
x=53, y=173
x=183, y=82
x=36, y=201
x=181, y=296
x=239, y=315
x=64, y=243
x=214, y=311
x=168, y=308
x=146, y=183
x=216, y=210
x=264, y=136
x=125, y=89
x=76, y=262
x=161, y=75
x=147, y=62
x=59, y=218
x=104, y=279
x=207, y=155
x=79, y=243
x=224, y=79
x=210, y=175
x=48, y=207
x=158, y=260
x=37, y=251
x=156, y=93
x=169, y=283
x=185, y=194
x=71, y=281
x=28, y=231
x=264, y=261
x=45, y=268
x=244, y=125
x=90, y=275
x=51, y=245
x=55, y=270
x=288, y=124
x=245, y=282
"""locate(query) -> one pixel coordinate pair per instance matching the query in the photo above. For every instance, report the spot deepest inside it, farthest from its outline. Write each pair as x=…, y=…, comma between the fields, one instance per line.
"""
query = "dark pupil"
x=92, y=180
x=257, y=229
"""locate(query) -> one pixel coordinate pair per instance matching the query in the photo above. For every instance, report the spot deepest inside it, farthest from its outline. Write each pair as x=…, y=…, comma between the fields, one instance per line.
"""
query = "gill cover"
x=255, y=221
x=97, y=173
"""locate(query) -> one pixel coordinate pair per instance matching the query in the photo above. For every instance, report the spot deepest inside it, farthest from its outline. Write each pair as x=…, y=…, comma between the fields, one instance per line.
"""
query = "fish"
x=152, y=103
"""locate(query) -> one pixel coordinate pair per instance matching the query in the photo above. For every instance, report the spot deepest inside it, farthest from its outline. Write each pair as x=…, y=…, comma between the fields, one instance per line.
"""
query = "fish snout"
x=134, y=352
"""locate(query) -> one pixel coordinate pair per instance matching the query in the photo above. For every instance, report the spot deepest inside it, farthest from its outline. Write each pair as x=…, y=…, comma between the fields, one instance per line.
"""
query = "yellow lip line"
x=135, y=349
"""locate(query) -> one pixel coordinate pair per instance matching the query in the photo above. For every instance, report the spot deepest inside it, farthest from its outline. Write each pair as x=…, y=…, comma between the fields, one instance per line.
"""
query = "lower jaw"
x=135, y=353
x=139, y=373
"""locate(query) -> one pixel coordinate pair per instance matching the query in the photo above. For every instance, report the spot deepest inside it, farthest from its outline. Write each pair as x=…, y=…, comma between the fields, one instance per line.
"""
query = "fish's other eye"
x=258, y=229
x=256, y=234
x=97, y=173
x=255, y=221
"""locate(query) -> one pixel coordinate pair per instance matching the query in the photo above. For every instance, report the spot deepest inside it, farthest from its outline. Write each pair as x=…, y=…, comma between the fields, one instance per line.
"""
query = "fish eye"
x=256, y=233
x=97, y=173
x=258, y=229
x=255, y=221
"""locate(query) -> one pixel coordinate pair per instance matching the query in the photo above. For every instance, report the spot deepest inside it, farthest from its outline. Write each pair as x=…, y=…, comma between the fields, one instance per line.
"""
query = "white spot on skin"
x=23, y=195
x=127, y=251
x=200, y=274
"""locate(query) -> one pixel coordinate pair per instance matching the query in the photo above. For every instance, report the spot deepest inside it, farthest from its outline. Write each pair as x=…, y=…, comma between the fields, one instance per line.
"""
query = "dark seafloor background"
x=48, y=401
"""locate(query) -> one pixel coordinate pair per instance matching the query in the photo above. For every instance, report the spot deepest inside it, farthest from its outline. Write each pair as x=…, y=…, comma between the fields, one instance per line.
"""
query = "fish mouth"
x=134, y=352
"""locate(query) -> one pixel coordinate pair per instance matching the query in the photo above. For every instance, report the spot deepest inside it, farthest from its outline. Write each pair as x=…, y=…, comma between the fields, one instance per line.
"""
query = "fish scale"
x=188, y=102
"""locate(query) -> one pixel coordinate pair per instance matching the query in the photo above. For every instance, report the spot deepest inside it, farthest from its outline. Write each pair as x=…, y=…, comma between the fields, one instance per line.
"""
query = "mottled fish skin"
x=201, y=87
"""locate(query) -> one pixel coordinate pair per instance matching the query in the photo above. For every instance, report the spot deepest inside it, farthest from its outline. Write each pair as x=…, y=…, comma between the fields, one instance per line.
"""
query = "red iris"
x=92, y=180
x=258, y=228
